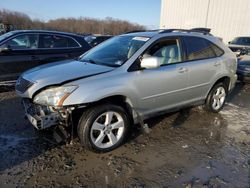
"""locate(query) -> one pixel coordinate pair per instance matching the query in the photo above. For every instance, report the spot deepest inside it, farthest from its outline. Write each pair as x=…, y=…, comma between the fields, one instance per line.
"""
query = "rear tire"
x=216, y=98
x=103, y=128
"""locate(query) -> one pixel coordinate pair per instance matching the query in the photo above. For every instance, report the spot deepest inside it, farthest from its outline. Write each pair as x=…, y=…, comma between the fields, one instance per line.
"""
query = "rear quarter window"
x=200, y=48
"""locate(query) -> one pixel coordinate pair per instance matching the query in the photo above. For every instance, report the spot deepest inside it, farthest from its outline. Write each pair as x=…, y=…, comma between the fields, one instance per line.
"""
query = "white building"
x=226, y=18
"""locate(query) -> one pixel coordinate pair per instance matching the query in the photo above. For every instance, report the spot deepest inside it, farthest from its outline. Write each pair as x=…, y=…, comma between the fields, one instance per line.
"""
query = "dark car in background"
x=94, y=40
x=239, y=43
x=243, y=69
x=25, y=49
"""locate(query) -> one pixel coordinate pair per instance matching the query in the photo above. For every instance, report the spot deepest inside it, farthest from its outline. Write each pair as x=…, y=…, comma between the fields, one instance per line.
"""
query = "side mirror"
x=150, y=62
x=229, y=42
x=4, y=49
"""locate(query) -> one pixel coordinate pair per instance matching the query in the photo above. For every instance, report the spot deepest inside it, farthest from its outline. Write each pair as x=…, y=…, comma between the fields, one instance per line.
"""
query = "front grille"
x=22, y=85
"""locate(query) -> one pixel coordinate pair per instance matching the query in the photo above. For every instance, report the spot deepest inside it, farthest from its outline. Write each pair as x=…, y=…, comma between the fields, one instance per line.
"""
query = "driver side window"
x=168, y=51
x=26, y=41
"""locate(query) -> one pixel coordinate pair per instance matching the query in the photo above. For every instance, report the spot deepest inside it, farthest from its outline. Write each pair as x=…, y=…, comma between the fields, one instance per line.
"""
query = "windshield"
x=4, y=36
x=241, y=41
x=115, y=51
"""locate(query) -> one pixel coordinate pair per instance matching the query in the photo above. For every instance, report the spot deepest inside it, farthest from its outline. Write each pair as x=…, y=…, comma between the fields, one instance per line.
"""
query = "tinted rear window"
x=200, y=48
x=241, y=41
x=57, y=41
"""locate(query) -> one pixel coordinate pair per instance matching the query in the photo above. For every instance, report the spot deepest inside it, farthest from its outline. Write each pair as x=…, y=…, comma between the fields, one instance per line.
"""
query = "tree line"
x=79, y=25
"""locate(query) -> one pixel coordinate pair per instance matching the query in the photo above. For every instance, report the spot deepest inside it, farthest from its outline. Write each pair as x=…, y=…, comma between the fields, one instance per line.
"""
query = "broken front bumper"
x=41, y=117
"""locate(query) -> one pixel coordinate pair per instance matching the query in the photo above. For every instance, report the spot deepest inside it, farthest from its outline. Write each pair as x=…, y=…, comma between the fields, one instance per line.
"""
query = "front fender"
x=90, y=95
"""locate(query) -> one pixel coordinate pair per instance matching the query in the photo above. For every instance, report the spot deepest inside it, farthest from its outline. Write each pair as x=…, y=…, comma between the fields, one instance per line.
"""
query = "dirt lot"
x=190, y=148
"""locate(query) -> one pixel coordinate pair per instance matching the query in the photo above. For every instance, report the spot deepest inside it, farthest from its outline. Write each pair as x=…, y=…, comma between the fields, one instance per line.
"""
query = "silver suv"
x=126, y=80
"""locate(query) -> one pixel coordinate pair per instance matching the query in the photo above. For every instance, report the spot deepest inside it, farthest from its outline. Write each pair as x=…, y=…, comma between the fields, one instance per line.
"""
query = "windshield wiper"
x=88, y=61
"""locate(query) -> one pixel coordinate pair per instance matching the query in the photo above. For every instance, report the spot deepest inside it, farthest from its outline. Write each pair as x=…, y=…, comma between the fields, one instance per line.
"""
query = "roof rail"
x=135, y=31
x=201, y=30
x=205, y=31
x=172, y=30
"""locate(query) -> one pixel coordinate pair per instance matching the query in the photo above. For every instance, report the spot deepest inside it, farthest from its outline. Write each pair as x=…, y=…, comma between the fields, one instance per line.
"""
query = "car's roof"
x=44, y=31
x=170, y=32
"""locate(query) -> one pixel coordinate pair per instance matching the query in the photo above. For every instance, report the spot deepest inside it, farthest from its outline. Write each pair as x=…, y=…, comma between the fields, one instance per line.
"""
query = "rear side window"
x=200, y=48
x=57, y=41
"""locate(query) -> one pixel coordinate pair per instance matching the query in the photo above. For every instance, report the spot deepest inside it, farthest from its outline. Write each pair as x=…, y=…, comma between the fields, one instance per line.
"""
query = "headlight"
x=54, y=96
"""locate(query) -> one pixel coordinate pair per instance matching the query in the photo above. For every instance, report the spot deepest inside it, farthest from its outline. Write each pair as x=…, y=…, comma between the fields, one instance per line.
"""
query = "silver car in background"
x=126, y=80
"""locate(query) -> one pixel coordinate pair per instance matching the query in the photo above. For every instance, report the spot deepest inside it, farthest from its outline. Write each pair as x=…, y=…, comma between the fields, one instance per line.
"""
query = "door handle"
x=67, y=55
x=182, y=70
x=33, y=57
x=216, y=64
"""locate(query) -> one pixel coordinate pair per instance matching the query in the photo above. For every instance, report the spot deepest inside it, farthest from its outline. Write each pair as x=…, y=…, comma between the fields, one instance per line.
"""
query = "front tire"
x=103, y=128
x=216, y=98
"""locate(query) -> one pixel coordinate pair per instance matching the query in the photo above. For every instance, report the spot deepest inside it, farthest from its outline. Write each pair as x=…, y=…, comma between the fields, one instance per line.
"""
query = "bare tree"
x=76, y=25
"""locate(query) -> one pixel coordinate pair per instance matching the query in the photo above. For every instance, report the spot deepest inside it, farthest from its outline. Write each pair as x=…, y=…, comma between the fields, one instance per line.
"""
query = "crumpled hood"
x=63, y=71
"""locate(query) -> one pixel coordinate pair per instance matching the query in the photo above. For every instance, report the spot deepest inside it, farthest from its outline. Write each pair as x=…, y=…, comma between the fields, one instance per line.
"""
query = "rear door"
x=203, y=61
x=21, y=54
x=55, y=47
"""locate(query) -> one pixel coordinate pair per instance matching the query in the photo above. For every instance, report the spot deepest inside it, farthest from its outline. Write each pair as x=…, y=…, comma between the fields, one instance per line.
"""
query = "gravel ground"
x=189, y=148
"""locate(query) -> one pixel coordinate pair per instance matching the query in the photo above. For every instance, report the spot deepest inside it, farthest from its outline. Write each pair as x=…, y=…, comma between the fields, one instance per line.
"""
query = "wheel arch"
x=225, y=80
x=119, y=100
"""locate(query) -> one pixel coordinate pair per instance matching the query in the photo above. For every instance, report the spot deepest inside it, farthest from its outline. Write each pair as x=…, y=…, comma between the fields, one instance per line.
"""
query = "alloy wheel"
x=107, y=129
x=218, y=98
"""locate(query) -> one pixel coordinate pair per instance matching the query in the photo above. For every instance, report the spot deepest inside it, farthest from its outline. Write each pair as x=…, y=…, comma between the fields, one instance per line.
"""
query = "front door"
x=19, y=55
x=164, y=87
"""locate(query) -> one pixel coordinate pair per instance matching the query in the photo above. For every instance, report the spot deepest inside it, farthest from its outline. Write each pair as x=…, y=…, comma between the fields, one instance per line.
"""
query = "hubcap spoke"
x=218, y=91
x=109, y=117
x=117, y=125
x=214, y=103
x=218, y=104
x=100, y=138
x=112, y=137
x=221, y=95
x=98, y=126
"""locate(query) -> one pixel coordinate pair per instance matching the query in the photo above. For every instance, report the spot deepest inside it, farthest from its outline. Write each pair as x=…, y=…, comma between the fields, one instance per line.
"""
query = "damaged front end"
x=45, y=109
x=43, y=117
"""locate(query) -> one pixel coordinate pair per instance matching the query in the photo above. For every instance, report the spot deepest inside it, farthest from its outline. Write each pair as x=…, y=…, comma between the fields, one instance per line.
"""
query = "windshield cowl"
x=94, y=62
